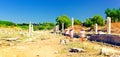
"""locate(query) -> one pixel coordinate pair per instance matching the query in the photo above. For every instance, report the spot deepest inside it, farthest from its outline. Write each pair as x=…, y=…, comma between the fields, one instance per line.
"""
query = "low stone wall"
x=112, y=39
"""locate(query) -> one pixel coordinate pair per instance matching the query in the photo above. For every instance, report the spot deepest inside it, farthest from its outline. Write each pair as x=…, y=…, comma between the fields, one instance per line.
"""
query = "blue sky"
x=37, y=11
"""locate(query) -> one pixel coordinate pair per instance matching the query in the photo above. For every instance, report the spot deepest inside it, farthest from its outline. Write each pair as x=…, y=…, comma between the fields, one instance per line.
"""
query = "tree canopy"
x=77, y=22
x=63, y=19
x=95, y=19
x=114, y=14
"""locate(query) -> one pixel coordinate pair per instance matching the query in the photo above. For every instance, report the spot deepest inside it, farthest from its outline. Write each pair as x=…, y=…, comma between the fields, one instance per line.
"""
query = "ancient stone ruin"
x=107, y=38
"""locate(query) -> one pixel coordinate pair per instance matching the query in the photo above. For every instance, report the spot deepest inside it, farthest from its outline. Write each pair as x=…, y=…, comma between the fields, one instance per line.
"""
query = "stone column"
x=72, y=22
x=57, y=28
x=30, y=27
x=96, y=29
x=108, y=25
x=62, y=27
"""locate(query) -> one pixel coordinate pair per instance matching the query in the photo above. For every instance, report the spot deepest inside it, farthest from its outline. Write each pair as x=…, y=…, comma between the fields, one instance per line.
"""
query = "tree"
x=114, y=14
x=88, y=22
x=77, y=22
x=63, y=19
x=98, y=19
x=107, y=12
x=95, y=19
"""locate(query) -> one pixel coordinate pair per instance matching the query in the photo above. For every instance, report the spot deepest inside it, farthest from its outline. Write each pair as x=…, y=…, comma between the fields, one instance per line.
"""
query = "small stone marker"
x=96, y=29
x=108, y=25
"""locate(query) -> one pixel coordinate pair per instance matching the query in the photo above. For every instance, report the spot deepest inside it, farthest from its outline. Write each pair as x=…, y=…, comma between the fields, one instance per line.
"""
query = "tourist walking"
x=82, y=35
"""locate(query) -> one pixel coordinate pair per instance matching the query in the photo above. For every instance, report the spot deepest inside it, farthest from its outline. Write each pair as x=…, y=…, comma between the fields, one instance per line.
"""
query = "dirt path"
x=45, y=44
x=48, y=47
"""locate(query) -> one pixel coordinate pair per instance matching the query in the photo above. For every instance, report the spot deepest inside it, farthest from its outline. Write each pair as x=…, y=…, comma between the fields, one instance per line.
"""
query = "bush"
x=24, y=27
x=41, y=27
x=46, y=26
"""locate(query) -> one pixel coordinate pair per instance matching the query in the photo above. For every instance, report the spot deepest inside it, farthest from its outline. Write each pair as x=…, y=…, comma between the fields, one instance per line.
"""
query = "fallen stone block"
x=115, y=55
x=108, y=52
x=10, y=39
x=76, y=50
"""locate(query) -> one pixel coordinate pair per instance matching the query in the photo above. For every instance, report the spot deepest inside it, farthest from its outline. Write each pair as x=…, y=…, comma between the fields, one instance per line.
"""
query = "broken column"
x=108, y=25
x=96, y=29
